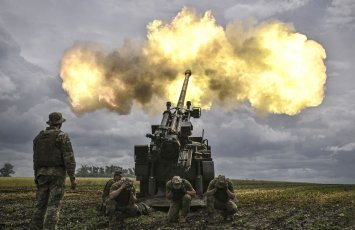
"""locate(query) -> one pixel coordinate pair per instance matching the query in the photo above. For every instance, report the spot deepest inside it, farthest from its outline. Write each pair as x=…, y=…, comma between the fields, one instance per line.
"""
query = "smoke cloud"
x=269, y=65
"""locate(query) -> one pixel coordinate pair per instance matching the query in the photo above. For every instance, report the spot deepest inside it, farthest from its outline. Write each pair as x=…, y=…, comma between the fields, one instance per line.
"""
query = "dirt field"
x=262, y=205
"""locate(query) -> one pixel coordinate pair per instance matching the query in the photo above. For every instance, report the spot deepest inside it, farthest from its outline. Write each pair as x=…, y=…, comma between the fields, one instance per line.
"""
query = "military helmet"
x=221, y=181
x=117, y=173
x=176, y=181
x=55, y=118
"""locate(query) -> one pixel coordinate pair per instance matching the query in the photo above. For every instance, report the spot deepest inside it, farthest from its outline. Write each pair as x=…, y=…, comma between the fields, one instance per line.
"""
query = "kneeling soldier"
x=220, y=195
x=121, y=202
x=117, y=176
x=180, y=192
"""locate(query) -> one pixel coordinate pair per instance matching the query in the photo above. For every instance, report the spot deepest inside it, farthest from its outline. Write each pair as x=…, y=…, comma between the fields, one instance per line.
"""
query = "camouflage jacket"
x=178, y=193
x=221, y=194
x=107, y=188
x=64, y=145
x=126, y=197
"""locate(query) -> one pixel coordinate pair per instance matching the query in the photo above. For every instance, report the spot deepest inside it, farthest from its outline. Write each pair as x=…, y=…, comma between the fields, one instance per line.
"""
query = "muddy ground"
x=262, y=205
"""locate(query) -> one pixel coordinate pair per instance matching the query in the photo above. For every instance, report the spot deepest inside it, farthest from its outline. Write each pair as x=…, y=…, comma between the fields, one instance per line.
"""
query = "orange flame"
x=270, y=65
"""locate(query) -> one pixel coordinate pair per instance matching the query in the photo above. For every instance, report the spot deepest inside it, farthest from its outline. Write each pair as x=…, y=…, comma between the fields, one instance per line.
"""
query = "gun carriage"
x=173, y=151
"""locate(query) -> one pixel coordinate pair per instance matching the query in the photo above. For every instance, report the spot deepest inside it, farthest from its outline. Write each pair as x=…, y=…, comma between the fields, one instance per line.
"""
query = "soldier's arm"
x=106, y=190
x=133, y=198
x=68, y=156
x=168, y=194
x=35, y=174
x=34, y=164
x=189, y=189
x=211, y=189
x=116, y=189
x=230, y=190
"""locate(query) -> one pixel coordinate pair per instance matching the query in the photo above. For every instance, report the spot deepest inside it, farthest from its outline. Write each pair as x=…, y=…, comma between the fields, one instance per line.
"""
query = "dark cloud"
x=316, y=145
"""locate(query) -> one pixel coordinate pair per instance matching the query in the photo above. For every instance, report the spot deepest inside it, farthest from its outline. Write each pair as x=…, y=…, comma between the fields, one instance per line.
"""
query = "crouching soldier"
x=117, y=176
x=179, y=191
x=121, y=203
x=220, y=196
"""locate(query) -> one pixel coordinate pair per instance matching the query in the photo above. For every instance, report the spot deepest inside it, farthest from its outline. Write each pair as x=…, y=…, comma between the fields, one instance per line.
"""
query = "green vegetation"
x=7, y=170
x=106, y=171
x=262, y=205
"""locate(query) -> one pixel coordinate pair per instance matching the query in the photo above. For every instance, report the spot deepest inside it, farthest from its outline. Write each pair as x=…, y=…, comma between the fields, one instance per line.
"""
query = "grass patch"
x=261, y=205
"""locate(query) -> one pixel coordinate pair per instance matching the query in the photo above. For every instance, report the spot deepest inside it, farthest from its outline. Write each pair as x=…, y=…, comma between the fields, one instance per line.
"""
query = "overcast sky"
x=317, y=145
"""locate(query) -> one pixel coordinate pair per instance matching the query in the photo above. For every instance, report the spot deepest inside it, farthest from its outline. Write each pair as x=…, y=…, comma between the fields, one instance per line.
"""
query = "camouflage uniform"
x=180, y=200
x=220, y=200
x=53, y=157
x=122, y=206
x=106, y=190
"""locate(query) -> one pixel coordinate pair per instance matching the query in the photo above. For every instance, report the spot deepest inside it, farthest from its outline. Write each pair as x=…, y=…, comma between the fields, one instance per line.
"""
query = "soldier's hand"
x=72, y=185
x=123, y=185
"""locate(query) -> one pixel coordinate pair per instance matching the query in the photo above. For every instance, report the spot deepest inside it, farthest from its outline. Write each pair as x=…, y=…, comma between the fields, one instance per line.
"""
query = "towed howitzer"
x=173, y=151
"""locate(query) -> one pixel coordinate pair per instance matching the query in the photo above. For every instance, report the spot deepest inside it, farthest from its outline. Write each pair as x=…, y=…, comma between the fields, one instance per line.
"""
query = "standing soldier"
x=121, y=202
x=53, y=157
x=106, y=192
x=220, y=196
x=180, y=192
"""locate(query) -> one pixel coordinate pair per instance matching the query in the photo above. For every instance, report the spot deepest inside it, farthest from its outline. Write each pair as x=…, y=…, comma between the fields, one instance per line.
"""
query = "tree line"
x=83, y=171
x=103, y=171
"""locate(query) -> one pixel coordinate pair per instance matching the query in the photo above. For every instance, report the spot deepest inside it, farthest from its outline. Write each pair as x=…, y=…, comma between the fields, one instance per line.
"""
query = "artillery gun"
x=173, y=151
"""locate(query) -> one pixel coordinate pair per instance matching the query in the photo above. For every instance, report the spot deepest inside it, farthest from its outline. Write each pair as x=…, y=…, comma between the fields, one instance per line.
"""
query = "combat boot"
x=182, y=219
x=212, y=217
x=228, y=218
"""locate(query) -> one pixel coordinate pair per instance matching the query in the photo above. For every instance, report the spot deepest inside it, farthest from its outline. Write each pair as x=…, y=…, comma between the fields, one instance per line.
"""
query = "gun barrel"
x=180, y=103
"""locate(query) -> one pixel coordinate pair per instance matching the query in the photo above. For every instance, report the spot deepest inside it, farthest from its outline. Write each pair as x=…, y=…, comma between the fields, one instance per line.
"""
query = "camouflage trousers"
x=175, y=206
x=50, y=192
x=227, y=208
x=117, y=216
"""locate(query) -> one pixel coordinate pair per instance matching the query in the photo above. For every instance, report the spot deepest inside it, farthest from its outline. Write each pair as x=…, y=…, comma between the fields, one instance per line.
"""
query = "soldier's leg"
x=231, y=208
x=115, y=217
x=133, y=210
x=42, y=195
x=186, y=202
x=173, y=213
x=144, y=209
x=115, y=220
x=228, y=209
x=57, y=188
x=210, y=203
x=221, y=207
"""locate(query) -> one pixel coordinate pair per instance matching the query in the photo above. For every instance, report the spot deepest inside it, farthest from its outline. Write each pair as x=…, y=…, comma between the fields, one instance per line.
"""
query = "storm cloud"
x=316, y=145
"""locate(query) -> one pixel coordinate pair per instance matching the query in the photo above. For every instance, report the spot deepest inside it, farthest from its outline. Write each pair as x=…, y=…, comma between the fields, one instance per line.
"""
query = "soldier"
x=106, y=191
x=53, y=157
x=180, y=192
x=220, y=196
x=121, y=202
